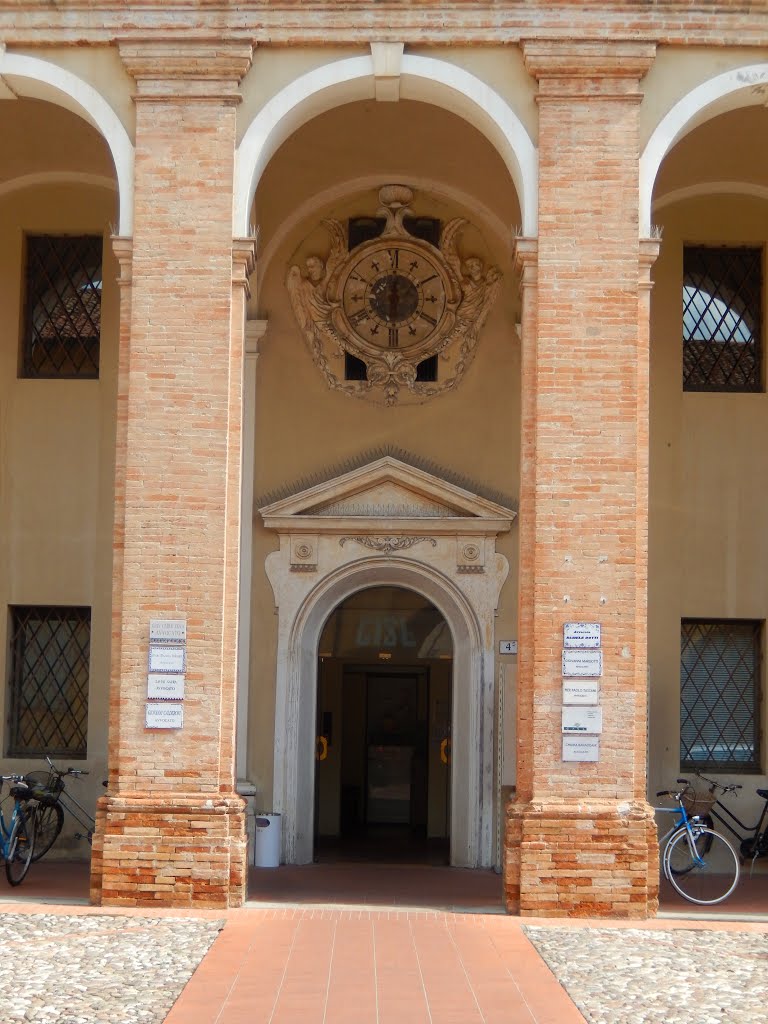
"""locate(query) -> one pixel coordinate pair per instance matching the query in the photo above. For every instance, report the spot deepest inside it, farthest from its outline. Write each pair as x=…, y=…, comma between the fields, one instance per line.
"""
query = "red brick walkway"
x=324, y=966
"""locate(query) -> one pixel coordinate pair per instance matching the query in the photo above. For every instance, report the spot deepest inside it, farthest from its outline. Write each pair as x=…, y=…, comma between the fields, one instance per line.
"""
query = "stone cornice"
x=188, y=69
x=599, y=68
x=674, y=22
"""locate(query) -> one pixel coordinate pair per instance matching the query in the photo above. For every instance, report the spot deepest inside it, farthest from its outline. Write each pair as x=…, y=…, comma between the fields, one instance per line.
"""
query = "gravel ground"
x=97, y=969
x=659, y=977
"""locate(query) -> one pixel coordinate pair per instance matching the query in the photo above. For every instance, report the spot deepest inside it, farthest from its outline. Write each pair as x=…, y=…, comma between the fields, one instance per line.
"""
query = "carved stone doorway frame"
x=388, y=524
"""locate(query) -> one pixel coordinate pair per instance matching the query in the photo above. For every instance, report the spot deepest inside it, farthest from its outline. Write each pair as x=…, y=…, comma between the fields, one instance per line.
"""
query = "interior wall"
x=302, y=427
x=57, y=436
x=709, y=467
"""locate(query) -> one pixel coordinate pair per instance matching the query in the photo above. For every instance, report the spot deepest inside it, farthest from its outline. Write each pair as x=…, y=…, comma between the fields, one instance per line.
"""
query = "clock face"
x=394, y=296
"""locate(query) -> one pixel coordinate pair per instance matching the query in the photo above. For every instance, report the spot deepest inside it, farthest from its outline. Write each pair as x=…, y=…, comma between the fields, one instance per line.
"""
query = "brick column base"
x=151, y=851
x=581, y=860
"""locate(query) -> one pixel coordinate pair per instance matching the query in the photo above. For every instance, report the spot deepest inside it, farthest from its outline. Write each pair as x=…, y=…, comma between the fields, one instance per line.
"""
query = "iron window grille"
x=49, y=670
x=720, y=667
x=722, y=318
x=62, y=323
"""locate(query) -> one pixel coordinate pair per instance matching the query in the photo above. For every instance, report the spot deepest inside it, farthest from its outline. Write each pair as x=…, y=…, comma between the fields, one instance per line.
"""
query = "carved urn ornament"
x=393, y=302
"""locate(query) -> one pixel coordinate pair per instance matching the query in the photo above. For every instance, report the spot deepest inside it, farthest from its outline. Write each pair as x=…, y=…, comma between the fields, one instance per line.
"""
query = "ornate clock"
x=393, y=302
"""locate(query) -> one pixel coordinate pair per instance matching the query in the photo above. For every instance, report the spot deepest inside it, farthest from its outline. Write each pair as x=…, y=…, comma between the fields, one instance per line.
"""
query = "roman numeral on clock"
x=393, y=337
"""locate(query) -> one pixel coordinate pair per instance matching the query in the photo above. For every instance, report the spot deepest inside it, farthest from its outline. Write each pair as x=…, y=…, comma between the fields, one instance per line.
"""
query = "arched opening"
x=384, y=700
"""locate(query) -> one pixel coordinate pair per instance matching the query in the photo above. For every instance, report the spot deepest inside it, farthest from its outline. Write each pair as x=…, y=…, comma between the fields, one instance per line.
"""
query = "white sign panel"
x=165, y=687
x=507, y=646
x=581, y=691
x=585, y=720
x=167, y=659
x=168, y=629
x=581, y=634
x=581, y=748
x=582, y=663
x=164, y=716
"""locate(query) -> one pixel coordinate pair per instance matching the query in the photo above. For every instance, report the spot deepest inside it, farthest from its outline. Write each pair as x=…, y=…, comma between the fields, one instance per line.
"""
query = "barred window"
x=48, y=681
x=722, y=321
x=62, y=323
x=720, y=665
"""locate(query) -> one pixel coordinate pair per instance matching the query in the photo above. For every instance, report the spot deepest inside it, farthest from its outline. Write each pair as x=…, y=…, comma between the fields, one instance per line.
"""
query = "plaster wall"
x=57, y=462
x=709, y=469
x=302, y=427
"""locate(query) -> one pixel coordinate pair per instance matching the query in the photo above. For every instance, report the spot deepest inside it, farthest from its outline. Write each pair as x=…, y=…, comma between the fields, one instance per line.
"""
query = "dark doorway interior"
x=382, y=788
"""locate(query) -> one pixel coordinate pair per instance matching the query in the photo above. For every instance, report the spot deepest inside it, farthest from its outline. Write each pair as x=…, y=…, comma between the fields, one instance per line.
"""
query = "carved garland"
x=390, y=543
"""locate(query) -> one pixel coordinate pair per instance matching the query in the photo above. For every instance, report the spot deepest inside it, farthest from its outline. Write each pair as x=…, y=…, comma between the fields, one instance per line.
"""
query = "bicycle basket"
x=44, y=785
x=698, y=802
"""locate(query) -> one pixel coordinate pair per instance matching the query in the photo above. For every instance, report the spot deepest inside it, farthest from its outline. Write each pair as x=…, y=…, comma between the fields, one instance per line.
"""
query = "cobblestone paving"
x=628, y=976
x=97, y=969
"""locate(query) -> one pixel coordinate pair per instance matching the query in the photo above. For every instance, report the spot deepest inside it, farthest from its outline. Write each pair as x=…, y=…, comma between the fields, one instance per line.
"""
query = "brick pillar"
x=172, y=826
x=580, y=837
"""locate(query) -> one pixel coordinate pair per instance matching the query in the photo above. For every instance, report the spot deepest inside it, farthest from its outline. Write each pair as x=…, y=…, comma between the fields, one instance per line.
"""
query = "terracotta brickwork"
x=580, y=839
x=172, y=826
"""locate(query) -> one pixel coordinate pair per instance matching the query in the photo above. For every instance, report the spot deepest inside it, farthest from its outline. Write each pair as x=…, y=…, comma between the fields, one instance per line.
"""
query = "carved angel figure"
x=309, y=295
x=479, y=288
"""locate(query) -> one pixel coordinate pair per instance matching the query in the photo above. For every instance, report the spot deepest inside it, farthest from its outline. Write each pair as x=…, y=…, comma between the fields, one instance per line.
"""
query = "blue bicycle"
x=700, y=864
x=17, y=835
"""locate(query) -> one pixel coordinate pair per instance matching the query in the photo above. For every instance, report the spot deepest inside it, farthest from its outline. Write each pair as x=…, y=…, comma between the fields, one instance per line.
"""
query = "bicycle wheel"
x=49, y=821
x=704, y=868
x=678, y=859
x=21, y=844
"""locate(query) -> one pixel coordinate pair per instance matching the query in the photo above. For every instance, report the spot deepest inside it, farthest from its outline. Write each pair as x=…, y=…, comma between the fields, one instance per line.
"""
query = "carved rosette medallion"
x=393, y=302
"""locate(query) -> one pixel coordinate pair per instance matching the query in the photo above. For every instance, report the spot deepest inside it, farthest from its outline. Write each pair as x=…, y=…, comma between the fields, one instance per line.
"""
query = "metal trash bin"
x=266, y=846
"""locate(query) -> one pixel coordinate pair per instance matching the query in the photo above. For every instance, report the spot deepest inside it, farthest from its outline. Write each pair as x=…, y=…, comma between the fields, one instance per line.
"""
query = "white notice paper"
x=581, y=634
x=163, y=658
x=162, y=686
x=581, y=691
x=581, y=748
x=164, y=716
x=576, y=720
x=168, y=629
x=582, y=663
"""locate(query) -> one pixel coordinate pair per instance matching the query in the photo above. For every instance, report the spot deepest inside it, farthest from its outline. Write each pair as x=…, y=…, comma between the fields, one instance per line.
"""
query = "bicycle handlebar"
x=69, y=771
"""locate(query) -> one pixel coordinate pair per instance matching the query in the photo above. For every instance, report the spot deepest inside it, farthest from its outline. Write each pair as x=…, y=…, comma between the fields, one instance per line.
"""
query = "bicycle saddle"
x=763, y=793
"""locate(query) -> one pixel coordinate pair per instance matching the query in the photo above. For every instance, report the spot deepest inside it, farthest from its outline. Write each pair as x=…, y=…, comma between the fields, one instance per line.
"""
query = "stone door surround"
x=387, y=523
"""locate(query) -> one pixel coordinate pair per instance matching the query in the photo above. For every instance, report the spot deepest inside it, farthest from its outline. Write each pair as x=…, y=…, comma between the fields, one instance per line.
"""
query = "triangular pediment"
x=385, y=489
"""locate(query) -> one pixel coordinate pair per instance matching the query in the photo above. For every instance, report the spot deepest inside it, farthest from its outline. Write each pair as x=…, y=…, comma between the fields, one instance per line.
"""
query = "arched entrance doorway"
x=384, y=699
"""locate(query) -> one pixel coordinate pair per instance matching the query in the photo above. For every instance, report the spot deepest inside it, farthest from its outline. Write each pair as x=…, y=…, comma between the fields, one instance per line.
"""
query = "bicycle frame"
x=753, y=830
x=81, y=815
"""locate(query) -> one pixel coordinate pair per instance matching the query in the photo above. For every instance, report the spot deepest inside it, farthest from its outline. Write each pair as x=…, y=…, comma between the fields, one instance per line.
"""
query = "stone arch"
x=41, y=79
x=422, y=78
x=739, y=87
x=472, y=702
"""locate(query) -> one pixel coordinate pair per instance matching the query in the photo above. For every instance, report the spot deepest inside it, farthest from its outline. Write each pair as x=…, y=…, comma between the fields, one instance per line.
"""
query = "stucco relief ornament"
x=393, y=302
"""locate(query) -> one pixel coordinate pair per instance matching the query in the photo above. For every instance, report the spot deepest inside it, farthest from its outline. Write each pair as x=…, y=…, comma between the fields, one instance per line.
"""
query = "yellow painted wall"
x=301, y=426
x=709, y=462
x=57, y=436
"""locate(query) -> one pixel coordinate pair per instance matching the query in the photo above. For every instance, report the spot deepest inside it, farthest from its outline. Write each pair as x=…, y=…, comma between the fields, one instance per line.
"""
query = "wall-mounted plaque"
x=165, y=658
x=507, y=646
x=583, y=720
x=581, y=634
x=582, y=663
x=581, y=748
x=164, y=716
x=581, y=691
x=165, y=686
x=168, y=629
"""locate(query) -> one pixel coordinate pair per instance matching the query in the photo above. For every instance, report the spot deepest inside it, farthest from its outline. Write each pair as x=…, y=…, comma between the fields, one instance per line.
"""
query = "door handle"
x=445, y=750
x=321, y=748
